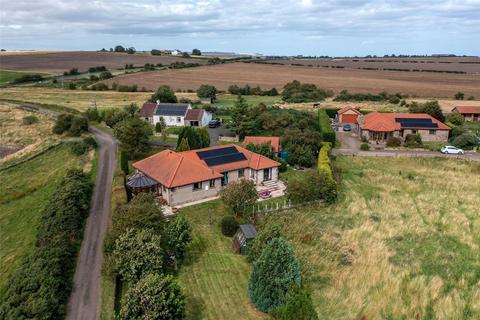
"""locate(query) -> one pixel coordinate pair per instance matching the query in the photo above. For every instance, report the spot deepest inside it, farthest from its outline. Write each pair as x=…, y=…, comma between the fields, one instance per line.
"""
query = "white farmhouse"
x=175, y=114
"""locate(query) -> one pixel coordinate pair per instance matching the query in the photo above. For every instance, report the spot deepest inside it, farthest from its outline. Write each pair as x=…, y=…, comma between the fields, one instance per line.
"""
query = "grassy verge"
x=26, y=189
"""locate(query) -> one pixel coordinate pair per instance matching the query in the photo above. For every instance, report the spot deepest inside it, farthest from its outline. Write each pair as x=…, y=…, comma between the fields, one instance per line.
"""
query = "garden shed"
x=244, y=234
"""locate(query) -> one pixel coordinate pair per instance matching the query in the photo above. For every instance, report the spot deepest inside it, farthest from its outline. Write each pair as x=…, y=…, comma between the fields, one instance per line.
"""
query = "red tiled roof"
x=148, y=109
x=467, y=109
x=274, y=141
x=194, y=114
x=173, y=169
x=344, y=109
x=385, y=122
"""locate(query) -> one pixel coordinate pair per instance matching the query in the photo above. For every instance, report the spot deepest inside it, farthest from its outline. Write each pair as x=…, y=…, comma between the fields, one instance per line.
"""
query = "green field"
x=402, y=243
x=7, y=76
x=26, y=189
x=228, y=100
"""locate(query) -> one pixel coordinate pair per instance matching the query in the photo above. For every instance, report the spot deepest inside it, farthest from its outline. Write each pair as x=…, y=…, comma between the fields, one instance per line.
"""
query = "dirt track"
x=85, y=297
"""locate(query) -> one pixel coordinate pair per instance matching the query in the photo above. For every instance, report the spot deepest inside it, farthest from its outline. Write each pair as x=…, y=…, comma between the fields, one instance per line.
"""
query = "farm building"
x=244, y=234
x=470, y=113
x=175, y=114
x=193, y=175
x=378, y=127
x=348, y=115
x=274, y=141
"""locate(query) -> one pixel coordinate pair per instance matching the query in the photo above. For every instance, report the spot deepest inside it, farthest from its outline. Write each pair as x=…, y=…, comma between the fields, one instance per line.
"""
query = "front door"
x=267, y=174
x=225, y=179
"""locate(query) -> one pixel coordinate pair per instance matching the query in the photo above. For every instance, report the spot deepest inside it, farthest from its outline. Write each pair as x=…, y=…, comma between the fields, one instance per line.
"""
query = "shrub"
x=28, y=120
x=272, y=273
x=164, y=94
x=105, y=75
x=430, y=107
x=466, y=141
x=62, y=124
x=459, y=96
x=297, y=92
x=207, y=91
x=134, y=136
x=326, y=130
x=79, y=147
x=364, y=147
x=100, y=87
x=123, y=88
x=153, y=297
x=90, y=141
x=255, y=248
x=192, y=137
x=28, y=78
x=413, y=140
x=239, y=196
x=137, y=253
x=394, y=142
x=298, y=305
x=72, y=86
x=394, y=100
x=178, y=234
x=79, y=125
x=456, y=118
x=229, y=226
x=300, y=155
x=124, y=162
x=92, y=114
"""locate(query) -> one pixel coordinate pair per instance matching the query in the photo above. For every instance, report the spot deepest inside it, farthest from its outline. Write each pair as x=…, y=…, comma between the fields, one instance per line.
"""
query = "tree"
x=154, y=297
x=302, y=92
x=243, y=118
x=79, y=125
x=456, y=118
x=92, y=114
x=466, y=141
x=105, y=75
x=239, y=196
x=134, y=135
x=314, y=186
x=255, y=248
x=164, y=94
x=158, y=127
x=204, y=137
x=273, y=272
x=183, y=146
x=196, y=52
x=193, y=138
x=459, y=96
x=430, y=107
x=63, y=123
x=155, y=52
x=178, y=234
x=207, y=91
x=119, y=49
x=137, y=253
x=298, y=306
x=234, y=89
x=131, y=50
x=265, y=149
x=112, y=116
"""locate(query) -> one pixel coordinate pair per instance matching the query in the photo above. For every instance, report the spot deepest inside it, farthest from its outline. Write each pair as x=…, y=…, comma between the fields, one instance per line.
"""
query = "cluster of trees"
x=28, y=78
x=81, y=147
x=97, y=69
x=430, y=107
x=182, y=64
x=144, y=248
x=71, y=72
x=164, y=94
x=265, y=149
x=299, y=129
x=119, y=48
x=73, y=125
x=191, y=138
x=40, y=287
x=461, y=96
x=344, y=95
x=207, y=91
x=463, y=137
x=296, y=92
x=196, y=52
x=247, y=91
x=275, y=285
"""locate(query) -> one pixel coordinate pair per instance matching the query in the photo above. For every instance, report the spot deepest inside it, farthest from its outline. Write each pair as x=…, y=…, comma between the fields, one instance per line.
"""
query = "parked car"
x=347, y=127
x=214, y=124
x=451, y=150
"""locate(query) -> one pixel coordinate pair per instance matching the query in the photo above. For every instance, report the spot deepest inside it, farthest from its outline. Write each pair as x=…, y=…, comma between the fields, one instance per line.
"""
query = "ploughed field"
x=58, y=62
x=418, y=84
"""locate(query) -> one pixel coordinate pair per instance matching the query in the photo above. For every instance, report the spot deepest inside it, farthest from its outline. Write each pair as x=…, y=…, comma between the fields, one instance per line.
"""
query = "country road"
x=84, y=300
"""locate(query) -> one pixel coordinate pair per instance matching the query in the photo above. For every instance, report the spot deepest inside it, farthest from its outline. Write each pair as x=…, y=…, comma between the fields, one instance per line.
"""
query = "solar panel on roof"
x=418, y=125
x=419, y=120
x=228, y=158
x=216, y=152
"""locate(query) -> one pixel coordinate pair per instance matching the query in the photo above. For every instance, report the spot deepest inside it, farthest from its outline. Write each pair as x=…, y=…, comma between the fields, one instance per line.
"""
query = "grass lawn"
x=214, y=278
x=26, y=189
x=8, y=75
x=228, y=100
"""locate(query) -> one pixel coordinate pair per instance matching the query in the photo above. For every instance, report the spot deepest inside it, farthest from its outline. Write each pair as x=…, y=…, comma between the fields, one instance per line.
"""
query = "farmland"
x=401, y=244
x=58, y=62
x=416, y=84
x=8, y=76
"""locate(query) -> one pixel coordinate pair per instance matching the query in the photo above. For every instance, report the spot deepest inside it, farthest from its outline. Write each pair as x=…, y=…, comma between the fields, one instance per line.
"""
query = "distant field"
x=26, y=189
x=425, y=64
x=8, y=76
x=58, y=62
x=228, y=100
x=417, y=84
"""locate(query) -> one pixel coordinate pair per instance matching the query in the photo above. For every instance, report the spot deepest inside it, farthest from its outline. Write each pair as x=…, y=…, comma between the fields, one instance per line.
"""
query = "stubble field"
x=267, y=76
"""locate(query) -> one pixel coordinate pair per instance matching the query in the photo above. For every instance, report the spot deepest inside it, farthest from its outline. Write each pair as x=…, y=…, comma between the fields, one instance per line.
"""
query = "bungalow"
x=469, y=112
x=175, y=114
x=193, y=175
x=348, y=115
x=378, y=127
x=274, y=141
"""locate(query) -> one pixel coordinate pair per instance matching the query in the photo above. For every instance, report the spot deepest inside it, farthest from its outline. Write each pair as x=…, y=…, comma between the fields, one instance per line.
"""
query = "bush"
x=39, y=288
x=134, y=136
x=72, y=86
x=296, y=92
x=28, y=78
x=207, y=91
x=153, y=297
x=298, y=305
x=413, y=140
x=79, y=125
x=100, y=87
x=138, y=253
x=239, y=196
x=255, y=248
x=466, y=141
x=124, y=162
x=178, y=234
x=456, y=118
x=272, y=274
x=326, y=130
x=90, y=141
x=364, y=147
x=459, y=96
x=63, y=123
x=300, y=155
x=229, y=226
x=92, y=114
x=79, y=147
x=28, y=120
x=394, y=100
x=394, y=142
x=123, y=88
x=164, y=94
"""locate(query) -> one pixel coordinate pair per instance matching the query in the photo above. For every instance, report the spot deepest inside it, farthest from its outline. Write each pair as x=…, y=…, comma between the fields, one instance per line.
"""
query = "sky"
x=282, y=27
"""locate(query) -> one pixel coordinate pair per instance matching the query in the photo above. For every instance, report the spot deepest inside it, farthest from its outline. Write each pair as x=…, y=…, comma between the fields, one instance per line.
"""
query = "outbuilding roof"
x=139, y=180
x=274, y=141
x=148, y=109
x=248, y=230
x=171, y=109
x=194, y=114
x=467, y=109
x=345, y=109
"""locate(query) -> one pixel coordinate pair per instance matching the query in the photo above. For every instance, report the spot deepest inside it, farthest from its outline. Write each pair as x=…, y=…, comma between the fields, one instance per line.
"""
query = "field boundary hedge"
x=326, y=130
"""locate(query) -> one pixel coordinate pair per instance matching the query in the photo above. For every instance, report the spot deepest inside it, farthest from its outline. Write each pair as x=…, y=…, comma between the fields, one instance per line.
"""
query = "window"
x=179, y=119
x=173, y=189
x=432, y=132
x=197, y=186
x=252, y=173
x=241, y=173
x=212, y=183
x=414, y=131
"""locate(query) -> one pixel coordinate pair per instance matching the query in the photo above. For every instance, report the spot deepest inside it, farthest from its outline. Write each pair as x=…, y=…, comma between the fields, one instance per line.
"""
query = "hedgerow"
x=326, y=130
x=40, y=287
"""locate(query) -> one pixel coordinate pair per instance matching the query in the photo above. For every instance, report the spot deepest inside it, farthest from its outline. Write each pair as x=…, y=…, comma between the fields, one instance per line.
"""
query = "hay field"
x=402, y=243
x=58, y=62
x=25, y=138
x=268, y=76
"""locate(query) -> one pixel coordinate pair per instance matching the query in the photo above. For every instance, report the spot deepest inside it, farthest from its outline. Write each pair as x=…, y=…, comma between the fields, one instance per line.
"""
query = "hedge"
x=40, y=287
x=329, y=188
x=326, y=130
x=323, y=164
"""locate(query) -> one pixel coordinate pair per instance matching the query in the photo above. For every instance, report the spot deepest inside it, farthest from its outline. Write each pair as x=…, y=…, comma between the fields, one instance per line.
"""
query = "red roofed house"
x=274, y=141
x=348, y=115
x=378, y=127
x=470, y=113
x=193, y=175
